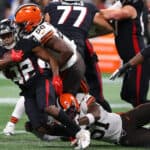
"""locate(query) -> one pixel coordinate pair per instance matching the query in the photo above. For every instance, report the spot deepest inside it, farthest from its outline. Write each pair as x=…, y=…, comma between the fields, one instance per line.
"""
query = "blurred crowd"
x=8, y=8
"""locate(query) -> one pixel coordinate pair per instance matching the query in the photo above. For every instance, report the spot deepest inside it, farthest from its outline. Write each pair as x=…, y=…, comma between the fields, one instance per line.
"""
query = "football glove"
x=16, y=55
x=58, y=85
x=119, y=72
x=83, y=139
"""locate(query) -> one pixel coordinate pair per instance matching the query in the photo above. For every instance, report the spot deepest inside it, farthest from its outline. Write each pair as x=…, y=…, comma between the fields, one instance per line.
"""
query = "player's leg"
x=72, y=77
x=132, y=123
x=137, y=137
x=15, y=116
x=46, y=100
x=93, y=76
x=135, y=85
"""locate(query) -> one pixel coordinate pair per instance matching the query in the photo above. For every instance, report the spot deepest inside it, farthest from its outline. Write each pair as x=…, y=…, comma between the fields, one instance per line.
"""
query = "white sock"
x=19, y=108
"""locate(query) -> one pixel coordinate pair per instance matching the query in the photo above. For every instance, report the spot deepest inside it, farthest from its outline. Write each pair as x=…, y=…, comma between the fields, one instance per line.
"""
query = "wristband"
x=91, y=118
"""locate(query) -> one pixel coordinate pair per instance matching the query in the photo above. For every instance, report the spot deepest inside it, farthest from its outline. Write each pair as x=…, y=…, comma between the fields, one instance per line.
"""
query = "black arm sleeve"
x=146, y=52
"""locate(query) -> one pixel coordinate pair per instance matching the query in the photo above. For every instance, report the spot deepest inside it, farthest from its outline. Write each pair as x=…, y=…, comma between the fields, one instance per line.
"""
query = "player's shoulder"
x=137, y=4
x=43, y=30
x=85, y=100
x=51, y=5
x=90, y=6
x=26, y=44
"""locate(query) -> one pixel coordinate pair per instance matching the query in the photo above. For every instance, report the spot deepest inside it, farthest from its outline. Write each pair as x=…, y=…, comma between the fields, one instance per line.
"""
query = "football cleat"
x=83, y=139
x=9, y=129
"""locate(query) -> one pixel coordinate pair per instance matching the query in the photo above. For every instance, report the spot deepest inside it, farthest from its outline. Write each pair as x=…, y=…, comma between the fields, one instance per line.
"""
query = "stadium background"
x=108, y=62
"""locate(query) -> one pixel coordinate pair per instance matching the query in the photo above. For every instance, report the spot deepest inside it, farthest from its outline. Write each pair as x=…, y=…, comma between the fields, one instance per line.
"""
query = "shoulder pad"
x=43, y=32
x=85, y=100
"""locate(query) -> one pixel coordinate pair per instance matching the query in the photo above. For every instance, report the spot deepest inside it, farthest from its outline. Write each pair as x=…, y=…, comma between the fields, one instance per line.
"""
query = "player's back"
x=129, y=33
x=74, y=20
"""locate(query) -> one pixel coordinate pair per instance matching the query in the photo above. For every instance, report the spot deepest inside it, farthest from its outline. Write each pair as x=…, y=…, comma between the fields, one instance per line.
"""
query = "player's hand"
x=119, y=72
x=16, y=55
x=58, y=85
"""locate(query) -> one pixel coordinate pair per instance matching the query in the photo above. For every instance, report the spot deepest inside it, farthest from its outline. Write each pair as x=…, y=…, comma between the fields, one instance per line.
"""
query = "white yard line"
x=17, y=132
x=14, y=100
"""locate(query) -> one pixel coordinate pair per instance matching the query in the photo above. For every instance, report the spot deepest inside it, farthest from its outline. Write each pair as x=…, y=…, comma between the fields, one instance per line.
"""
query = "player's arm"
x=10, y=57
x=137, y=59
x=57, y=44
x=103, y=24
x=93, y=114
x=125, y=12
x=46, y=56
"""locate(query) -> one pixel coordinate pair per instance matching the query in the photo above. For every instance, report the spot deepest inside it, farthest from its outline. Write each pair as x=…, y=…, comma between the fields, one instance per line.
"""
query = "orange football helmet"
x=28, y=16
x=67, y=100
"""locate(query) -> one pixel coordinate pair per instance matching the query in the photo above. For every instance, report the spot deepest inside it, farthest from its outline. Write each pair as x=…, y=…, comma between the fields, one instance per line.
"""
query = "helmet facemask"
x=7, y=34
x=69, y=104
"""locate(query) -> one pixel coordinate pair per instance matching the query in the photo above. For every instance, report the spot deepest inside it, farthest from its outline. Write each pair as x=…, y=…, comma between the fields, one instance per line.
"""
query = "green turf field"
x=27, y=141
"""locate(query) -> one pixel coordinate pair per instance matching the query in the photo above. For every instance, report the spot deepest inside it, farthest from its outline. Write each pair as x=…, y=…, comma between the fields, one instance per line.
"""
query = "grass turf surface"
x=27, y=141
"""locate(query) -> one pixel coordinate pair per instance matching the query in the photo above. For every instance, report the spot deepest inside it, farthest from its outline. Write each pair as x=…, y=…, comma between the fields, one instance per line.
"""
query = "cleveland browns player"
x=125, y=129
x=74, y=18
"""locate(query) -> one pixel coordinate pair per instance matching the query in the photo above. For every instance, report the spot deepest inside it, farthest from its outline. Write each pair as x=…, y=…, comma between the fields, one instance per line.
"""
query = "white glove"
x=83, y=139
x=116, y=5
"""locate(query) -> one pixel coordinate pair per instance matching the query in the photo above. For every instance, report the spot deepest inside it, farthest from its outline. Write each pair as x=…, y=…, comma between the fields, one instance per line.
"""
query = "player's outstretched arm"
x=119, y=13
x=102, y=23
x=138, y=59
x=10, y=57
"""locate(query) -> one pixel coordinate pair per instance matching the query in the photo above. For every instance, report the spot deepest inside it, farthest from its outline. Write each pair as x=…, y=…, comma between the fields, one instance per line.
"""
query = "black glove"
x=119, y=72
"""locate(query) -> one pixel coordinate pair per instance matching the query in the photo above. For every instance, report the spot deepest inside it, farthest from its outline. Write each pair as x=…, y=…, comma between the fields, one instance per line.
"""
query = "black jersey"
x=129, y=33
x=26, y=71
x=72, y=20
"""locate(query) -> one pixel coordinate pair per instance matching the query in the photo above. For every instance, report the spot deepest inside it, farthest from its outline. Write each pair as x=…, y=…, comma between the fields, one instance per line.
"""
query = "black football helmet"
x=129, y=2
x=73, y=1
x=7, y=33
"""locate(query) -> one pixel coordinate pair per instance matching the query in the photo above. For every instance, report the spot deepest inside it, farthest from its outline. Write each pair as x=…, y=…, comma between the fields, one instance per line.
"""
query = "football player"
x=74, y=19
x=125, y=129
x=130, y=41
x=137, y=59
x=73, y=71
x=19, y=62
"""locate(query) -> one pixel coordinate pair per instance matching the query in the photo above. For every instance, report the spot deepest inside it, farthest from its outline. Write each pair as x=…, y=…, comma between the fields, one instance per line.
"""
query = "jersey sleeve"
x=85, y=100
x=146, y=52
x=43, y=32
x=27, y=45
x=138, y=5
x=93, y=9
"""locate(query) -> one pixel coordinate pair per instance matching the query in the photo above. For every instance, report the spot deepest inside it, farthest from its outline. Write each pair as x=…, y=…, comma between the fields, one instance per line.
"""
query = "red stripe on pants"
x=91, y=51
x=47, y=89
x=139, y=67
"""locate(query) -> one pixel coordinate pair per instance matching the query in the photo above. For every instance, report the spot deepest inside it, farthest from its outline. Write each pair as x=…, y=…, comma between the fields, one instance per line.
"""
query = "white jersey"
x=108, y=127
x=46, y=31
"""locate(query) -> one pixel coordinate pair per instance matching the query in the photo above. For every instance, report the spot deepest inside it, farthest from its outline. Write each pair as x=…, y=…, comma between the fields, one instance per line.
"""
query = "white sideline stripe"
x=14, y=100
x=17, y=132
x=105, y=79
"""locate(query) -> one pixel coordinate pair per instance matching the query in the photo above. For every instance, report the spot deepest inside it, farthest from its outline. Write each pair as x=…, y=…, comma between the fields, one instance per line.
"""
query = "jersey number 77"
x=67, y=11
